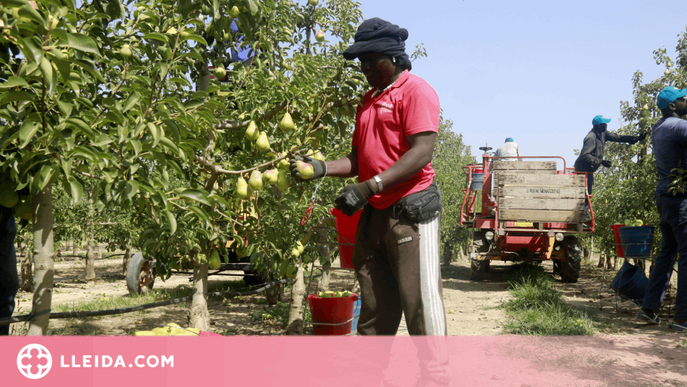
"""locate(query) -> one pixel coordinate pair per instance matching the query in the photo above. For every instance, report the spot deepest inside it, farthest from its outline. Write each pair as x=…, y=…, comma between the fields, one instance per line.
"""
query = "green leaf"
x=130, y=102
x=14, y=82
x=201, y=214
x=47, y=70
x=196, y=195
x=79, y=124
x=253, y=6
x=65, y=108
x=156, y=132
x=155, y=36
x=198, y=39
x=131, y=189
x=43, y=177
x=76, y=41
x=172, y=222
x=14, y=96
x=26, y=133
x=76, y=189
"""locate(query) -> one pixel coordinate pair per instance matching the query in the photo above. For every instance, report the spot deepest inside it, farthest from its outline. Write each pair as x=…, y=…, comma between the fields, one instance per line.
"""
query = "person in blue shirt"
x=592, y=154
x=669, y=140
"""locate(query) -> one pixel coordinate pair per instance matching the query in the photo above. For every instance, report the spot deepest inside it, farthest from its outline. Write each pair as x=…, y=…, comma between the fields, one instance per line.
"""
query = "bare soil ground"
x=624, y=353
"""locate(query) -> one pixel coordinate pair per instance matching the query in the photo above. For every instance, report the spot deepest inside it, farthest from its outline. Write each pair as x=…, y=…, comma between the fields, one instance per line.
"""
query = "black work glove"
x=641, y=137
x=353, y=197
x=319, y=168
x=606, y=163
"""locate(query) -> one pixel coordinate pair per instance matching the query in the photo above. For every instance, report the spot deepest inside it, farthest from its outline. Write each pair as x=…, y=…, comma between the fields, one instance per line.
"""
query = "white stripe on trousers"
x=433, y=304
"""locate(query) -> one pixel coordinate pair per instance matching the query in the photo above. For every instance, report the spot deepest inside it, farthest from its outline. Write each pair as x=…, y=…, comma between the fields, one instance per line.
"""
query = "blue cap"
x=509, y=139
x=600, y=120
x=668, y=96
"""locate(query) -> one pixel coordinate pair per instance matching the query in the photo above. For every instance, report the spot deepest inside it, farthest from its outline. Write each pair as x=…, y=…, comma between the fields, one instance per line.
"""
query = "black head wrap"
x=377, y=36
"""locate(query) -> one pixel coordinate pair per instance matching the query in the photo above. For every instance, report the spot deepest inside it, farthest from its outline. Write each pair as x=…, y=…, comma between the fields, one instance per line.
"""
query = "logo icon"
x=34, y=361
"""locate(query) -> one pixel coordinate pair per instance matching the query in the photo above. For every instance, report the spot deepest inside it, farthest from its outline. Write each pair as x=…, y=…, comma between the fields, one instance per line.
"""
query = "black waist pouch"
x=420, y=206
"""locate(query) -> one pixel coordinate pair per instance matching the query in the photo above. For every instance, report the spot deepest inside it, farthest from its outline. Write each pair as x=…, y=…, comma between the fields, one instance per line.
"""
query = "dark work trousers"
x=397, y=265
x=673, y=222
x=9, y=280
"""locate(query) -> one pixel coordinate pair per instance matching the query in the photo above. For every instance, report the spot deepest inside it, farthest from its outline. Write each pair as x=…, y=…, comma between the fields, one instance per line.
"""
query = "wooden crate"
x=538, y=196
x=539, y=167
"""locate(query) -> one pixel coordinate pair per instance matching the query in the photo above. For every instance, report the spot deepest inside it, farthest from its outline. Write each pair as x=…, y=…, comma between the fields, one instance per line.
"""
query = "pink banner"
x=337, y=361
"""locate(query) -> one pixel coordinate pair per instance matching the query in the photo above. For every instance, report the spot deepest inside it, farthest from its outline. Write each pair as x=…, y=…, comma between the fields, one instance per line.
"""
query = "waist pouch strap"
x=420, y=206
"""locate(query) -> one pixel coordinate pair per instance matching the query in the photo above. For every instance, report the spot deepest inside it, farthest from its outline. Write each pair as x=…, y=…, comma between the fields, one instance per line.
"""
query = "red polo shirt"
x=383, y=124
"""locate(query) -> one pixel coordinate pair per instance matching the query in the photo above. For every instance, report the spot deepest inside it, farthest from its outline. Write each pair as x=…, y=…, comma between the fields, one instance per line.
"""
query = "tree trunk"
x=448, y=253
x=295, y=324
x=90, y=263
x=74, y=249
x=125, y=260
x=43, y=259
x=199, y=316
x=275, y=294
x=26, y=264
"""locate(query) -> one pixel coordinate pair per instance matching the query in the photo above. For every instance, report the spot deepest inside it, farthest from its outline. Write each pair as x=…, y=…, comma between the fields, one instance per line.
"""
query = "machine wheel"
x=570, y=268
x=140, y=274
x=479, y=267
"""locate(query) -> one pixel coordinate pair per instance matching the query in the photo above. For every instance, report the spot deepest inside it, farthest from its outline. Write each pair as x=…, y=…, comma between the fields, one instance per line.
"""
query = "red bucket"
x=332, y=316
x=346, y=227
x=618, y=246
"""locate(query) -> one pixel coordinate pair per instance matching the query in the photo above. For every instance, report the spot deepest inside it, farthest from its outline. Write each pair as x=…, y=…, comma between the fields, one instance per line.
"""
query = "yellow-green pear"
x=263, y=144
x=319, y=36
x=283, y=182
x=214, y=262
x=283, y=164
x=125, y=51
x=337, y=294
x=270, y=176
x=234, y=12
x=306, y=170
x=220, y=72
x=318, y=156
x=295, y=252
x=252, y=132
x=255, y=181
x=286, y=124
x=172, y=31
x=313, y=2
x=241, y=188
x=300, y=247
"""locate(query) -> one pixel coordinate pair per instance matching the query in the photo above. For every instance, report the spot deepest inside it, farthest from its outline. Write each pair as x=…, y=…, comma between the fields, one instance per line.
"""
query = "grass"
x=279, y=314
x=538, y=308
x=107, y=302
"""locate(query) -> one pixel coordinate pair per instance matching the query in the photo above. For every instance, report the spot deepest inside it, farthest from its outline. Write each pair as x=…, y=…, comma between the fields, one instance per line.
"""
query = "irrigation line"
x=58, y=315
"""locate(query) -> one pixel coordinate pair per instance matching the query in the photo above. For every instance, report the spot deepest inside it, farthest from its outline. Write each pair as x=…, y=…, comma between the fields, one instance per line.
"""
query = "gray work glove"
x=319, y=168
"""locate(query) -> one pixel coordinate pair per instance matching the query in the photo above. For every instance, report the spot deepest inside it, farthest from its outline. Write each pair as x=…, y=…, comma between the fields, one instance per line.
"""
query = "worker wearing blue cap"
x=669, y=140
x=592, y=155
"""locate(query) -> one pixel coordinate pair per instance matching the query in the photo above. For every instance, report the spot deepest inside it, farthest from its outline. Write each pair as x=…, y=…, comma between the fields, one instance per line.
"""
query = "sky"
x=536, y=71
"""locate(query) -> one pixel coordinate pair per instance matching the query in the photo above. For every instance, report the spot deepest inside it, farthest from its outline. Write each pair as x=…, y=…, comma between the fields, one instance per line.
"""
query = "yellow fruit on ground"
x=144, y=333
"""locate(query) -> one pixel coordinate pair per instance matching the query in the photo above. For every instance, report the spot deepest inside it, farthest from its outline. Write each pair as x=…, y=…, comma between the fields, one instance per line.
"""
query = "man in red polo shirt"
x=396, y=253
